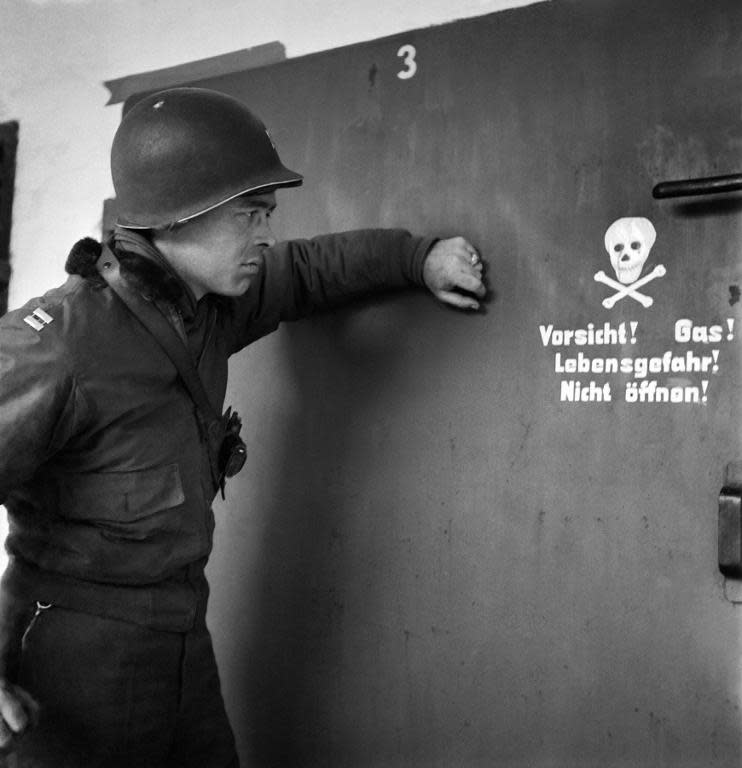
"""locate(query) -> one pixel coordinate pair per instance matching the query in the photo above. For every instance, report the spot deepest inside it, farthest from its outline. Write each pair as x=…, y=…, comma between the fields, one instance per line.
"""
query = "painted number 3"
x=407, y=53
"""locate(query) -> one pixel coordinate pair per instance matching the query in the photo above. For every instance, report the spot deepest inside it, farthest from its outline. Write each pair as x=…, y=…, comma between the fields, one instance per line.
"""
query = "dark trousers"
x=117, y=694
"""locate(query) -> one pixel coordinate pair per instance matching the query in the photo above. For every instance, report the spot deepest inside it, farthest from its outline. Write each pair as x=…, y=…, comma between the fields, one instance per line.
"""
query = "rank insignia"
x=38, y=319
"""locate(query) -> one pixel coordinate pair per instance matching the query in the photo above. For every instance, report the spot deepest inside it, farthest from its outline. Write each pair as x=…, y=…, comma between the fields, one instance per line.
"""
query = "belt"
x=173, y=605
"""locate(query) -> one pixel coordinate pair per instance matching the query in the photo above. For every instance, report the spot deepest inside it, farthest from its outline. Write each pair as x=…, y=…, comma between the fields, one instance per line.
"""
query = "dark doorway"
x=8, y=145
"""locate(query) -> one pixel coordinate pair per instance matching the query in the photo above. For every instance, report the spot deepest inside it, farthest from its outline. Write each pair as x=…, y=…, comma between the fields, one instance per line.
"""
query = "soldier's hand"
x=453, y=273
x=18, y=712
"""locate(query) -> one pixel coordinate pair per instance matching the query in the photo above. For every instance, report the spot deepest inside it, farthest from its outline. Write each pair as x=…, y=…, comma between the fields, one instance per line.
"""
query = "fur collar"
x=143, y=273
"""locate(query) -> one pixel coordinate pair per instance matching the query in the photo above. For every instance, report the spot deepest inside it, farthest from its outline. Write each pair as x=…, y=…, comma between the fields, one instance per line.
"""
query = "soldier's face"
x=222, y=251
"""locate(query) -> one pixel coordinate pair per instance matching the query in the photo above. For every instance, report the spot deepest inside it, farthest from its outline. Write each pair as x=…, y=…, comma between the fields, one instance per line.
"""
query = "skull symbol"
x=628, y=242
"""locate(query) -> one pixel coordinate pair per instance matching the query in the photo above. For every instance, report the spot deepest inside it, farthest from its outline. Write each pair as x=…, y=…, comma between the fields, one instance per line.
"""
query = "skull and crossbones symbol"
x=628, y=242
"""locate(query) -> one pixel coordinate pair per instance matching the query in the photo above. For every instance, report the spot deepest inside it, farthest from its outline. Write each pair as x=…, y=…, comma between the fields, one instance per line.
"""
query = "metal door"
x=492, y=540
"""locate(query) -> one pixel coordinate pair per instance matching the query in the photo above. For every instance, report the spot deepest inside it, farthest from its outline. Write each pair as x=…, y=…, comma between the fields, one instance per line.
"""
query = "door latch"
x=730, y=532
x=730, y=523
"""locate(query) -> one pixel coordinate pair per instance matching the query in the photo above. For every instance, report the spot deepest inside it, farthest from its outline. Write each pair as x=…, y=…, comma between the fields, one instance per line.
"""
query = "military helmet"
x=181, y=152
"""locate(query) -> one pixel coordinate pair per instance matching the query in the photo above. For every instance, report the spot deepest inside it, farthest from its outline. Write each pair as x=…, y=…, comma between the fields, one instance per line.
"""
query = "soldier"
x=112, y=439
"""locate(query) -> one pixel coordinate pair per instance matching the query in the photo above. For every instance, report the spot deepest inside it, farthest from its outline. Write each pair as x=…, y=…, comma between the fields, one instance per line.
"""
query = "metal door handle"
x=730, y=532
x=707, y=186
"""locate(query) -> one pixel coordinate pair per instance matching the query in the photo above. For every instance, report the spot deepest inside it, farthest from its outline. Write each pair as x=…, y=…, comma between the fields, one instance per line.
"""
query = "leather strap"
x=147, y=313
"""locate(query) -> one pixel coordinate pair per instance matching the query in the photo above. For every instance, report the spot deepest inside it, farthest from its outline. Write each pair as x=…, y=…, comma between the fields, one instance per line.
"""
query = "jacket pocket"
x=127, y=504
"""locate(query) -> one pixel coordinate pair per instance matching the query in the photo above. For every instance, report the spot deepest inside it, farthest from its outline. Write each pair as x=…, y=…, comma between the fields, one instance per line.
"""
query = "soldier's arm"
x=303, y=276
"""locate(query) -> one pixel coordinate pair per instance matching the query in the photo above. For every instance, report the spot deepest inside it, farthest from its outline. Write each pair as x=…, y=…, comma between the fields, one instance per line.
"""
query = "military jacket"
x=103, y=470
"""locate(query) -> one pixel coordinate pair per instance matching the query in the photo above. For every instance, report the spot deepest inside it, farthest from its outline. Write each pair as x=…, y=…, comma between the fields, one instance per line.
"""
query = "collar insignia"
x=38, y=319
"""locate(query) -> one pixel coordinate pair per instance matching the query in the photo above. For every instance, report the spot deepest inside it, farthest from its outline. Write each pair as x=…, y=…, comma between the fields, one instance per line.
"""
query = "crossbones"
x=629, y=290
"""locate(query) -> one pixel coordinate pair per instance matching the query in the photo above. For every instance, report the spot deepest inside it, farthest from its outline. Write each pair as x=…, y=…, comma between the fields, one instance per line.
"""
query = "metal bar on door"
x=707, y=186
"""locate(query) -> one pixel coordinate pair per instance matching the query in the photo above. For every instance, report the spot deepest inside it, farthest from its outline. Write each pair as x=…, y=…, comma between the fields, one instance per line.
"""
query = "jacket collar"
x=149, y=271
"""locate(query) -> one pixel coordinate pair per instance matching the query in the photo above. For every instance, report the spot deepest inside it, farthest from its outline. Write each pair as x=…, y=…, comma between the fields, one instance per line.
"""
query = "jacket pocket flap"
x=120, y=496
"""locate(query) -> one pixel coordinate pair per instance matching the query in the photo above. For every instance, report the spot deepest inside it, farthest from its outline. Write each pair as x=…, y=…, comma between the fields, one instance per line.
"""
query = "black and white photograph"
x=371, y=384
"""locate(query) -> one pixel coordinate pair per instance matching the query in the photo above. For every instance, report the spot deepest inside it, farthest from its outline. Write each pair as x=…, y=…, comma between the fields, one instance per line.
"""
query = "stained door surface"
x=491, y=539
